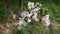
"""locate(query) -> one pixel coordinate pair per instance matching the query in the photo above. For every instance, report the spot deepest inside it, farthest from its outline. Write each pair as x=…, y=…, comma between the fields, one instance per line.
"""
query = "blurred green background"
x=34, y=28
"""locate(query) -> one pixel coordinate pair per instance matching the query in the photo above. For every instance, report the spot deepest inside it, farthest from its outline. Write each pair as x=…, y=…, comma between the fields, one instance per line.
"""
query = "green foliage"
x=51, y=6
x=3, y=8
x=22, y=31
x=3, y=11
x=14, y=5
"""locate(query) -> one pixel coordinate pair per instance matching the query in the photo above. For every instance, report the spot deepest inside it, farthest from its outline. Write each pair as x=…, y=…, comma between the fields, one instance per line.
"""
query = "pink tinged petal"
x=29, y=15
x=36, y=19
x=46, y=20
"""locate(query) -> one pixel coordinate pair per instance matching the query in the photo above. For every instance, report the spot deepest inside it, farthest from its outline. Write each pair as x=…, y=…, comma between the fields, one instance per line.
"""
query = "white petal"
x=20, y=22
x=29, y=20
x=36, y=19
x=30, y=5
x=36, y=9
x=40, y=4
x=47, y=24
x=29, y=15
x=46, y=20
x=35, y=15
x=24, y=14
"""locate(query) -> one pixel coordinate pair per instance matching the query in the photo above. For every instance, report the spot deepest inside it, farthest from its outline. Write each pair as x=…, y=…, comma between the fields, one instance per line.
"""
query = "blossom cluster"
x=32, y=14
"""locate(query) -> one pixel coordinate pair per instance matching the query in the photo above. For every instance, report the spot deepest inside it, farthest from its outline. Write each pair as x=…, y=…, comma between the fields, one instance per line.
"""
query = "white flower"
x=20, y=23
x=30, y=5
x=14, y=16
x=46, y=20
